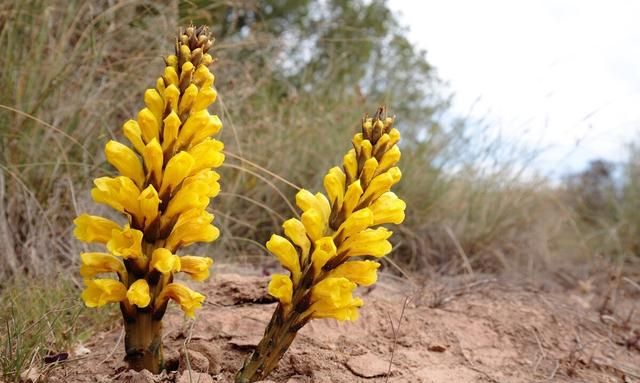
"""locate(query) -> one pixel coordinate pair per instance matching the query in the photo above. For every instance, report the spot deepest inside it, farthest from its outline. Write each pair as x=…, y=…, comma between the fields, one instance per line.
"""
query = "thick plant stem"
x=280, y=332
x=143, y=342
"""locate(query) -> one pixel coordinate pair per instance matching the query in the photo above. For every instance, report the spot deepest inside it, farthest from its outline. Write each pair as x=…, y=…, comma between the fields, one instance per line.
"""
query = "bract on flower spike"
x=166, y=181
x=326, y=250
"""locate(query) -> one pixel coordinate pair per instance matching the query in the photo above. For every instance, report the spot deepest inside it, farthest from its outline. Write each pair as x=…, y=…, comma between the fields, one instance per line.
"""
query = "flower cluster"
x=326, y=250
x=164, y=185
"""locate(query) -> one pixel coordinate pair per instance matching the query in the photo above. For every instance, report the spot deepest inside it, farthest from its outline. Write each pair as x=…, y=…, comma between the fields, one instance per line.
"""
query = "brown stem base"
x=143, y=343
x=277, y=338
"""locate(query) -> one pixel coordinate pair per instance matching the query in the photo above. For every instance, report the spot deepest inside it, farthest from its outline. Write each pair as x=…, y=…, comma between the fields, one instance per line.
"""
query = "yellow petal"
x=286, y=254
x=332, y=293
x=314, y=224
x=394, y=136
x=207, y=176
x=364, y=273
x=294, y=229
x=379, y=185
x=388, y=208
x=120, y=193
x=172, y=60
x=213, y=126
x=193, y=196
x=149, y=125
x=138, y=293
x=125, y=160
x=178, y=167
x=153, y=159
x=149, y=202
x=368, y=171
x=187, y=98
x=281, y=288
x=192, y=226
x=356, y=222
x=126, y=243
x=202, y=76
x=196, y=267
x=325, y=249
x=389, y=159
x=164, y=261
x=188, y=299
x=306, y=201
x=334, y=184
x=206, y=97
x=96, y=263
x=154, y=103
x=171, y=97
x=91, y=228
x=371, y=242
x=350, y=166
x=132, y=131
x=196, y=122
x=207, y=154
x=170, y=133
x=352, y=197
x=186, y=72
x=171, y=76
x=99, y=292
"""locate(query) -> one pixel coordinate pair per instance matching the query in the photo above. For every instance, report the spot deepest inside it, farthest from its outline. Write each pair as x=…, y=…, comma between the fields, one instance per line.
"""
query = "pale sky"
x=558, y=74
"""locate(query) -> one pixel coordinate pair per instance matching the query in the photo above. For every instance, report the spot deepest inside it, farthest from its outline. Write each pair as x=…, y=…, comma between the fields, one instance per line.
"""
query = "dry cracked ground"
x=472, y=329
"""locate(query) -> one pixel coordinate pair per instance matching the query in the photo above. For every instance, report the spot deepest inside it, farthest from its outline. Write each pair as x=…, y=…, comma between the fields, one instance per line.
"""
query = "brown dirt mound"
x=485, y=330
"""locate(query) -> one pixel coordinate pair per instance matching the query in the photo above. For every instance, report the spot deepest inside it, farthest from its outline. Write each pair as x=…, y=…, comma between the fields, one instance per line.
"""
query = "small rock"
x=212, y=352
x=368, y=365
x=81, y=350
x=195, y=377
x=194, y=361
x=131, y=376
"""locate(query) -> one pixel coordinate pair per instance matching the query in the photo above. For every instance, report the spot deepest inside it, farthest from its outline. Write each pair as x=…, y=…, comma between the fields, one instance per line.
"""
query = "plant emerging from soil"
x=163, y=189
x=324, y=250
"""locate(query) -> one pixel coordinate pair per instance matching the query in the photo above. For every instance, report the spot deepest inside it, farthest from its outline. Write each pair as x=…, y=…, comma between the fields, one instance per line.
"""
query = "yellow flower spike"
x=294, y=229
x=314, y=223
x=170, y=76
x=99, y=292
x=164, y=261
x=352, y=198
x=389, y=159
x=207, y=154
x=154, y=102
x=212, y=127
x=281, y=288
x=325, y=249
x=368, y=171
x=97, y=263
x=371, y=242
x=153, y=158
x=120, y=193
x=178, y=167
x=149, y=125
x=187, y=99
x=205, y=97
x=192, y=197
x=125, y=161
x=363, y=273
x=388, y=208
x=196, y=121
x=138, y=293
x=171, y=97
x=126, y=243
x=149, y=202
x=196, y=267
x=132, y=132
x=286, y=254
x=192, y=226
x=92, y=228
x=188, y=299
x=334, y=184
x=170, y=133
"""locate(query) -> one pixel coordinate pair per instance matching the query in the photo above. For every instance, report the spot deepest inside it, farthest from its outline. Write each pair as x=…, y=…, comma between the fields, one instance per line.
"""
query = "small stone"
x=368, y=365
x=194, y=361
x=131, y=376
x=195, y=377
x=81, y=350
x=437, y=348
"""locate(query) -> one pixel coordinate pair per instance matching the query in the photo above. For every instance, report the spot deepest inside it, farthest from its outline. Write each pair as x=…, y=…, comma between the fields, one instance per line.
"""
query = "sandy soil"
x=480, y=329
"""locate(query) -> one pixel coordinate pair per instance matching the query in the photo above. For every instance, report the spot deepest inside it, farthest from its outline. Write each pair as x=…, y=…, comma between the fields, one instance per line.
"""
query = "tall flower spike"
x=323, y=251
x=165, y=182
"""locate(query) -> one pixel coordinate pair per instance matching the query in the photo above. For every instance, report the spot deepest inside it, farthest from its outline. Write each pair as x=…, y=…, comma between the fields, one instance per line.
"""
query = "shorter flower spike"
x=325, y=251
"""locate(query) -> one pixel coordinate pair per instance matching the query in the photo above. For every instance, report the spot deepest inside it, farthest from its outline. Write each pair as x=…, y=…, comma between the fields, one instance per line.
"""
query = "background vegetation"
x=294, y=78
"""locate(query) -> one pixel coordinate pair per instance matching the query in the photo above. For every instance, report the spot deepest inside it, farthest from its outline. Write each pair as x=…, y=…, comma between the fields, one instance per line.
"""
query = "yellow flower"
x=196, y=267
x=99, y=292
x=91, y=228
x=314, y=224
x=332, y=298
x=149, y=125
x=170, y=134
x=132, y=132
x=209, y=177
x=356, y=222
x=190, y=196
x=188, y=299
x=153, y=160
x=388, y=208
x=286, y=254
x=149, y=202
x=178, y=167
x=281, y=288
x=364, y=273
x=125, y=160
x=138, y=293
x=294, y=229
x=372, y=242
x=126, y=243
x=325, y=249
x=307, y=201
x=192, y=226
x=164, y=261
x=96, y=263
x=334, y=184
x=207, y=154
x=120, y=193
